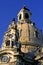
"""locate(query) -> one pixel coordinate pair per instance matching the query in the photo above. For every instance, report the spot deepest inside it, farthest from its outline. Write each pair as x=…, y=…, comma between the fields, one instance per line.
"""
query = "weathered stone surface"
x=23, y=42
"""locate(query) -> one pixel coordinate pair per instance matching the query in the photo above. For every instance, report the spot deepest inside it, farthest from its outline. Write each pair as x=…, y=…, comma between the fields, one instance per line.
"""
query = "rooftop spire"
x=24, y=5
x=13, y=19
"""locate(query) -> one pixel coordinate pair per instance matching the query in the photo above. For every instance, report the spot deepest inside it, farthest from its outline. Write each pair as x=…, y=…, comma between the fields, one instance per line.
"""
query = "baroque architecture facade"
x=23, y=42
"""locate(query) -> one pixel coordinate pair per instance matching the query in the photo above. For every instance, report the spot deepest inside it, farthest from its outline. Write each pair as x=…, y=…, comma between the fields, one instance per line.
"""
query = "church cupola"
x=24, y=14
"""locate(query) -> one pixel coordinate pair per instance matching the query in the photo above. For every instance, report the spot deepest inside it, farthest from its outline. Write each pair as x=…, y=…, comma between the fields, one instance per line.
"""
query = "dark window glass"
x=36, y=34
x=26, y=15
x=8, y=43
x=20, y=16
x=12, y=43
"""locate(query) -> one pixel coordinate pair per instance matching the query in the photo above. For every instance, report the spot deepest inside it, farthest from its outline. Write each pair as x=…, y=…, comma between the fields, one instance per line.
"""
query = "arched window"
x=26, y=15
x=20, y=16
x=8, y=43
x=36, y=34
x=12, y=44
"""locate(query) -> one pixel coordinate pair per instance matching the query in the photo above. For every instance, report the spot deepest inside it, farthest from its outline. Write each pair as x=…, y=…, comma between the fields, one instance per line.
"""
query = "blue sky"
x=10, y=8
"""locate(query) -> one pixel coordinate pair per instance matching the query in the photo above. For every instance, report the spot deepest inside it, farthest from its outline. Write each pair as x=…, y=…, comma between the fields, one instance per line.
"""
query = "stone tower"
x=23, y=42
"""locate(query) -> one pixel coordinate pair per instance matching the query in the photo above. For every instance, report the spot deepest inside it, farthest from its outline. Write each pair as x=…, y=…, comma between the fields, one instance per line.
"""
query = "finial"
x=24, y=5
